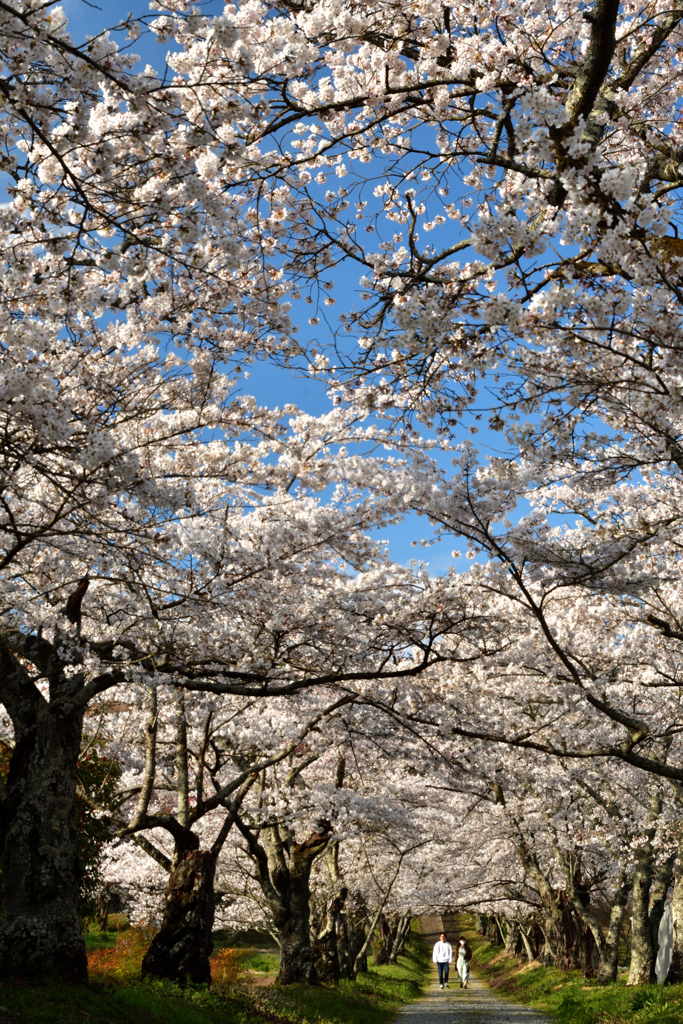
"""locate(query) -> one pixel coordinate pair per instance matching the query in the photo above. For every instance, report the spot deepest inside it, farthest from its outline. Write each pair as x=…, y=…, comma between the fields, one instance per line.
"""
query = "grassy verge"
x=120, y=998
x=373, y=998
x=569, y=998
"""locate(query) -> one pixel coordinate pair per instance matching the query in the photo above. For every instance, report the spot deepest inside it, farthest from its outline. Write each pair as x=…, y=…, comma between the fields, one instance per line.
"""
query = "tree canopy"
x=302, y=731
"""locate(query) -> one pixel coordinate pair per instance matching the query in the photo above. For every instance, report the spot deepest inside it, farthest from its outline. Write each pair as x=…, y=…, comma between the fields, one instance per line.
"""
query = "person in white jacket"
x=443, y=958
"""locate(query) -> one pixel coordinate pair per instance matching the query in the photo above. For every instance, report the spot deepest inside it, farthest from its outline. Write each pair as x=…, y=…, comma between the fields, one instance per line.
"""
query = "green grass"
x=373, y=998
x=569, y=998
x=263, y=962
x=136, y=1003
x=99, y=940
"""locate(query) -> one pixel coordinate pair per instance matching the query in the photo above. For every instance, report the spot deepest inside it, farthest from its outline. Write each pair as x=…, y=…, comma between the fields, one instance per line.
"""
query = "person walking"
x=463, y=964
x=443, y=958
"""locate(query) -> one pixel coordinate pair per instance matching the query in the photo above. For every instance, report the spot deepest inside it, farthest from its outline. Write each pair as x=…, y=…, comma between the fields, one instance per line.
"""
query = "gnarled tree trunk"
x=181, y=949
x=384, y=940
x=292, y=922
x=284, y=873
x=609, y=953
x=479, y=923
x=325, y=941
x=643, y=949
x=352, y=935
x=40, y=934
x=642, y=954
x=675, y=974
x=325, y=948
x=512, y=936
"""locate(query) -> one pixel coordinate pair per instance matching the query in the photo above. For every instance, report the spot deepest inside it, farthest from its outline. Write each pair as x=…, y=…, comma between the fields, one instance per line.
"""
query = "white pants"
x=463, y=969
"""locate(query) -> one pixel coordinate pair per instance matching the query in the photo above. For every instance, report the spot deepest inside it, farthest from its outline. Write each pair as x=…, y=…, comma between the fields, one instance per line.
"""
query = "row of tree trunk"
x=320, y=941
x=570, y=934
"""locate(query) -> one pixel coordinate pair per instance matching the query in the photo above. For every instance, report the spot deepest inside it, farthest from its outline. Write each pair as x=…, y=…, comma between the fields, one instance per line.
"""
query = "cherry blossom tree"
x=208, y=754
x=230, y=586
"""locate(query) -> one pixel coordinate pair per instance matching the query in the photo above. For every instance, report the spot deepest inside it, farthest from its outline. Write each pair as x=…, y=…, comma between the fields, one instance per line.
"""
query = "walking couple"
x=443, y=958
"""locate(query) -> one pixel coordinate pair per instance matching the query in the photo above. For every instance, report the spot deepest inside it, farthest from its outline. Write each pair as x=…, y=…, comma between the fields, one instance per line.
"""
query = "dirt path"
x=474, y=1005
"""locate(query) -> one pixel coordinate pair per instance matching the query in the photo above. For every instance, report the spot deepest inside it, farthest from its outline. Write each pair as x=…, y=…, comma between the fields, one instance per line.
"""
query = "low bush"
x=230, y=966
x=123, y=961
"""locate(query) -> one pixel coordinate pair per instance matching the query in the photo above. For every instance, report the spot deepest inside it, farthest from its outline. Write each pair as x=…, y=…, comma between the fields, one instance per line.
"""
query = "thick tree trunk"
x=293, y=927
x=352, y=931
x=567, y=937
x=642, y=967
x=548, y=951
x=181, y=949
x=284, y=872
x=325, y=944
x=512, y=936
x=658, y=895
x=493, y=931
x=643, y=948
x=40, y=934
x=384, y=940
x=479, y=923
x=325, y=949
x=609, y=954
x=675, y=974
x=344, y=947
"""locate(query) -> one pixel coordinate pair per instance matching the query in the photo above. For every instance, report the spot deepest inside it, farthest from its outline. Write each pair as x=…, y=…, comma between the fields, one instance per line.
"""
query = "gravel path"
x=473, y=1005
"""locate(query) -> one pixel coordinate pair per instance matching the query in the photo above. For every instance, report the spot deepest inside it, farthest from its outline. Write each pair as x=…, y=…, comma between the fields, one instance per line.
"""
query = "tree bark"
x=284, y=871
x=325, y=948
x=352, y=938
x=384, y=940
x=525, y=932
x=609, y=954
x=643, y=951
x=658, y=895
x=512, y=936
x=402, y=933
x=493, y=931
x=181, y=949
x=292, y=921
x=642, y=955
x=40, y=934
x=326, y=940
x=675, y=975
x=597, y=952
